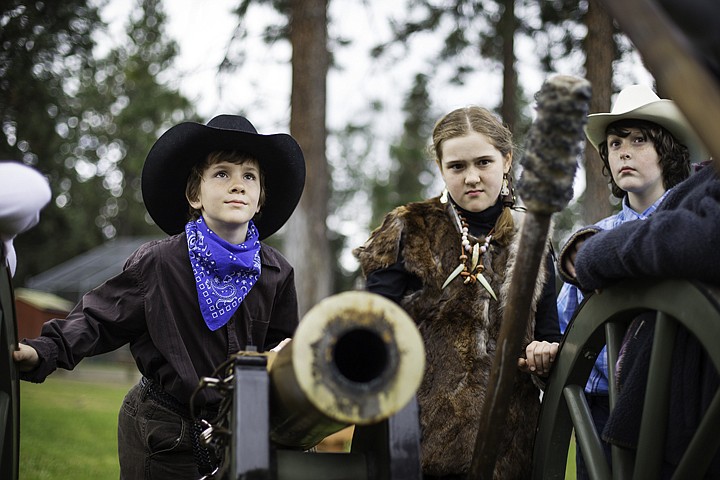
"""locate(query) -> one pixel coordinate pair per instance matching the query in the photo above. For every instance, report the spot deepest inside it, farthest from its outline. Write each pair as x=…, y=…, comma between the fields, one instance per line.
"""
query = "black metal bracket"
x=388, y=450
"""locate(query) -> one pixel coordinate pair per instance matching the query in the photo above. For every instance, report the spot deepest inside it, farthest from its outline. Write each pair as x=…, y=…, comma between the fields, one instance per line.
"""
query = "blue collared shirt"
x=570, y=296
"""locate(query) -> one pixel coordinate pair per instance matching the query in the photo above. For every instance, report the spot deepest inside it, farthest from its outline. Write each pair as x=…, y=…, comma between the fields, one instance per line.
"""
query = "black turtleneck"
x=480, y=223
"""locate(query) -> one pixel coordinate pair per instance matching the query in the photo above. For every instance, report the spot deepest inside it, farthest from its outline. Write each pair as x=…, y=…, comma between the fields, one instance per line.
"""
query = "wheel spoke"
x=703, y=446
x=651, y=443
x=5, y=412
x=585, y=432
x=614, y=333
x=9, y=388
x=622, y=459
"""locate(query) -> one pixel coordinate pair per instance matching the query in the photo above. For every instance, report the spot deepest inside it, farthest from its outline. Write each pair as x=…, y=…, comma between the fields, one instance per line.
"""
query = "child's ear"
x=196, y=204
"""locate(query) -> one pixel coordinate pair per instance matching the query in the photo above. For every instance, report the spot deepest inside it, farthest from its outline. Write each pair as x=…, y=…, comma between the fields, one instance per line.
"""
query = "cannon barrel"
x=355, y=359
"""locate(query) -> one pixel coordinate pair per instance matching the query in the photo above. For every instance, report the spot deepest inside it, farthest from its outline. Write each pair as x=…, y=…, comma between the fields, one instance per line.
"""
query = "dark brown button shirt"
x=153, y=306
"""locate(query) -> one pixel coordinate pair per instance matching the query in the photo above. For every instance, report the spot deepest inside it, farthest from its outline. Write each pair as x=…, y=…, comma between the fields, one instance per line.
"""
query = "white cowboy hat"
x=641, y=103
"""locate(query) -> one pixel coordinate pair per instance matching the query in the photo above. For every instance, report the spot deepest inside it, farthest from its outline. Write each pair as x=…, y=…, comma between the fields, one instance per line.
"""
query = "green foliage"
x=412, y=171
x=364, y=189
x=68, y=429
x=123, y=108
x=42, y=44
x=350, y=163
x=235, y=58
x=89, y=124
x=465, y=24
x=475, y=35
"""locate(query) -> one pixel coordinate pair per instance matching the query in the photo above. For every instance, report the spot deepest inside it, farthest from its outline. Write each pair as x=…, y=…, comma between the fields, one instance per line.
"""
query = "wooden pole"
x=549, y=165
x=669, y=56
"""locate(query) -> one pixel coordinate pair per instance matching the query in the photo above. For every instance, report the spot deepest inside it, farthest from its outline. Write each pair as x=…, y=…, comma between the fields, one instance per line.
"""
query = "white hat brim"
x=663, y=112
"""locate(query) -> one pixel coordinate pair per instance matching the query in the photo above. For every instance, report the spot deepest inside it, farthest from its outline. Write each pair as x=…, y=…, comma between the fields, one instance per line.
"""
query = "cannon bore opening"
x=361, y=356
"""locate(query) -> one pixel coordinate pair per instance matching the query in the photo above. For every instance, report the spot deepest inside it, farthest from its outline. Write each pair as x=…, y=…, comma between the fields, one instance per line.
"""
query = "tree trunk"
x=509, y=94
x=306, y=242
x=599, y=54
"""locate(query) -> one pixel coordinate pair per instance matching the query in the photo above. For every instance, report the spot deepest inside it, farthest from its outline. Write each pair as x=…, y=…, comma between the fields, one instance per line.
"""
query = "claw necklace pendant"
x=475, y=252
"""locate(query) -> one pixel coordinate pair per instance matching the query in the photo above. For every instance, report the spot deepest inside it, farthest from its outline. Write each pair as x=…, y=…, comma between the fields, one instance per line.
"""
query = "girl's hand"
x=539, y=357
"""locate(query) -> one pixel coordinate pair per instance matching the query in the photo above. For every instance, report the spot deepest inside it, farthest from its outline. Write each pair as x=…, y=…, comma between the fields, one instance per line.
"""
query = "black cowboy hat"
x=173, y=155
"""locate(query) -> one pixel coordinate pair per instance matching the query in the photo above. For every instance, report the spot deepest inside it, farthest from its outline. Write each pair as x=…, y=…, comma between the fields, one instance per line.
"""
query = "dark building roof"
x=43, y=301
x=77, y=276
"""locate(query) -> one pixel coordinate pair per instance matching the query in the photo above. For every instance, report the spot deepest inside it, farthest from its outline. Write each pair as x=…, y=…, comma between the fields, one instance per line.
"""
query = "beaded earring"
x=507, y=192
x=444, y=196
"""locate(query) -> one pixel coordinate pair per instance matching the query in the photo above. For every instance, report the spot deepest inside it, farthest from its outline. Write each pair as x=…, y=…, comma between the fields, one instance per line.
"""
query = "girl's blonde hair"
x=461, y=122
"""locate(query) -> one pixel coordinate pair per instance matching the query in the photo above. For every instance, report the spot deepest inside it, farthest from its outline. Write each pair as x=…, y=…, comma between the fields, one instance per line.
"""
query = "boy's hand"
x=539, y=357
x=25, y=358
x=280, y=345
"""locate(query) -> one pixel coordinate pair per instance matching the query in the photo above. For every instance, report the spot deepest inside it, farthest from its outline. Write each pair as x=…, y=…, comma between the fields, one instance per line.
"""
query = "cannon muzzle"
x=355, y=359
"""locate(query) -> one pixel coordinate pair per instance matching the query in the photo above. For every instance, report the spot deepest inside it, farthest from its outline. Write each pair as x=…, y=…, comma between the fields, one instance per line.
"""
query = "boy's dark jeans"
x=154, y=443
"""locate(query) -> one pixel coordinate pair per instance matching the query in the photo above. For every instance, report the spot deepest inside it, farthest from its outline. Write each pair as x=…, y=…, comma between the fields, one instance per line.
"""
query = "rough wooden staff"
x=549, y=165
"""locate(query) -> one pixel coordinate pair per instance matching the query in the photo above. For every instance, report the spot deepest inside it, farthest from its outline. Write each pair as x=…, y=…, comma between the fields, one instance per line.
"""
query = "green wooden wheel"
x=603, y=317
x=9, y=385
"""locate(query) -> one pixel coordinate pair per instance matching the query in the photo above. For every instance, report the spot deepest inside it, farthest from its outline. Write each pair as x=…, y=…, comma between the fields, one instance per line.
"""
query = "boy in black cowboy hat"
x=187, y=302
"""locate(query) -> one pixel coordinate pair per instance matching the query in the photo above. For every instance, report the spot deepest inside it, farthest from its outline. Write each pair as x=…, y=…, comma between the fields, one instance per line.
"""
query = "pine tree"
x=106, y=116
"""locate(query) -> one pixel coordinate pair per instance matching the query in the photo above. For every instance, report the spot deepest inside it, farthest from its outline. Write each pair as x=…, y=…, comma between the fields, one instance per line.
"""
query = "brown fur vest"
x=460, y=326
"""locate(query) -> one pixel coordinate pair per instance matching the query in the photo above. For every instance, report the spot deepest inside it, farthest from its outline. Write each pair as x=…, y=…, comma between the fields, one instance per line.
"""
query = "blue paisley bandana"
x=224, y=272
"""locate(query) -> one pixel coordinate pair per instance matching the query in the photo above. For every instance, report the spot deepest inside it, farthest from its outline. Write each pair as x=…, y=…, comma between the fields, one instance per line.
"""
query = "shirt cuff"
x=570, y=245
x=47, y=353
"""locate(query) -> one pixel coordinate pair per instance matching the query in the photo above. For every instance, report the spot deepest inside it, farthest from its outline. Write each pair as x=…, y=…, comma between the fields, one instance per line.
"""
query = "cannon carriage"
x=356, y=359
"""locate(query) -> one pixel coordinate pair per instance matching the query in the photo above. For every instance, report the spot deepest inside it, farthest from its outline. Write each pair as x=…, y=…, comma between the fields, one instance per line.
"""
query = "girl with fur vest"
x=447, y=261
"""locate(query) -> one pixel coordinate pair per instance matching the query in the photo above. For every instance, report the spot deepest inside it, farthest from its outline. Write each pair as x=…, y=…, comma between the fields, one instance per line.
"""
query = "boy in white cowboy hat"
x=678, y=241
x=646, y=146
x=189, y=301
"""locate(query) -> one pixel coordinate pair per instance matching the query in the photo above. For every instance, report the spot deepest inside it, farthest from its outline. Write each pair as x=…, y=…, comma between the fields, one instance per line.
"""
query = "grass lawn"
x=68, y=429
x=570, y=473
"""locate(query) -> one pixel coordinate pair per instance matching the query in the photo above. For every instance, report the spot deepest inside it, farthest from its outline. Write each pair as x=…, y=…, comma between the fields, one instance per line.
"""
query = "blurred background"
x=87, y=86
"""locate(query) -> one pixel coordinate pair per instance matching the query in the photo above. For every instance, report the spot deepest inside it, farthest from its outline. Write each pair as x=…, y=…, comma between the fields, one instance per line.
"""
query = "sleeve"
x=546, y=316
x=676, y=242
x=106, y=318
x=382, y=249
x=392, y=282
x=568, y=301
x=382, y=261
x=284, y=318
x=582, y=234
